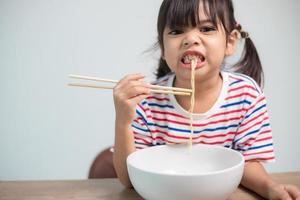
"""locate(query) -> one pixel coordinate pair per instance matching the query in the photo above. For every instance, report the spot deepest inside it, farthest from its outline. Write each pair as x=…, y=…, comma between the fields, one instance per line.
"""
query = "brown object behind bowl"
x=102, y=166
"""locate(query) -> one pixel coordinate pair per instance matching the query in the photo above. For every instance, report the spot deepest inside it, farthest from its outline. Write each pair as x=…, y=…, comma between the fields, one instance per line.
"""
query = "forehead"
x=203, y=12
x=190, y=13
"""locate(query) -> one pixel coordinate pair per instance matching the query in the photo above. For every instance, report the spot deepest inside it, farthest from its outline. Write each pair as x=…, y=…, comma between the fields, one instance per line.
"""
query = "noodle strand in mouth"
x=192, y=104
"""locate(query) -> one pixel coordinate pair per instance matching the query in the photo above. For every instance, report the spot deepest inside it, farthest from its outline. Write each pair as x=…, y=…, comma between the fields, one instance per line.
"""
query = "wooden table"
x=101, y=189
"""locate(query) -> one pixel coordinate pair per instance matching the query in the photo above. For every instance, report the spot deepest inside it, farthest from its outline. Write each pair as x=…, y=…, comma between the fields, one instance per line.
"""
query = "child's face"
x=205, y=41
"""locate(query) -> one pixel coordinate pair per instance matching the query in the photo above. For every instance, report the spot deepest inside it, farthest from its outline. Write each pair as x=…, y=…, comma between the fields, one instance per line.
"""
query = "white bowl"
x=176, y=172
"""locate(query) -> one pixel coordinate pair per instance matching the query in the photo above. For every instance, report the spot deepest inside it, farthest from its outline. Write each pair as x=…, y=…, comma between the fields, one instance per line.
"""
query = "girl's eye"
x=175, y=32
x=206, y=29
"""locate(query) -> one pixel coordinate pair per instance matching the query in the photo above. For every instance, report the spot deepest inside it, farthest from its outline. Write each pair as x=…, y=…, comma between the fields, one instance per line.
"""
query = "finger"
x=136, y=91
x=131, y=77
x=128, y=80
x=132, y=89
x=136, y=83
x=293, y=191
x=283, y=194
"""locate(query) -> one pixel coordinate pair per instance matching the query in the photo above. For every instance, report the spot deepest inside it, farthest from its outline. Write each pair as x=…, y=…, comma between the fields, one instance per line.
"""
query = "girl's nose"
x=187, y=43
x=191, y=39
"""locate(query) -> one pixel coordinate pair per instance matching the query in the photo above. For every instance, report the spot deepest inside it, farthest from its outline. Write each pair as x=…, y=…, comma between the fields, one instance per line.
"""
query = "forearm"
x=124, y=146
x=257, y=179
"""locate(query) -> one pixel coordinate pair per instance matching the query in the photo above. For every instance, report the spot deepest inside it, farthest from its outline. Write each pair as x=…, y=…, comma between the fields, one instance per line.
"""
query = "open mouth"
x=188, y=56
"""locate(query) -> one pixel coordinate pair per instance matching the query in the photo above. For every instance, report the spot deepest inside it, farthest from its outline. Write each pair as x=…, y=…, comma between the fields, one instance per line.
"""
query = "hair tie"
x=244, y=34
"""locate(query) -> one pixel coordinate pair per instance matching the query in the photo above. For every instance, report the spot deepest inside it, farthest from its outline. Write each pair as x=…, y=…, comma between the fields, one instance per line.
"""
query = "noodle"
x=192, y=105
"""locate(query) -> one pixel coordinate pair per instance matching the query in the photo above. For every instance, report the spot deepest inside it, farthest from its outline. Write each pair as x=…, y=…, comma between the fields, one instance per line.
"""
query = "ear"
x=231, y=43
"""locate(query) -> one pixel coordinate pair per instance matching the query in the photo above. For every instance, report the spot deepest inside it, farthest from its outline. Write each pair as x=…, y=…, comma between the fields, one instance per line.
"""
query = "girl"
x=230, y=108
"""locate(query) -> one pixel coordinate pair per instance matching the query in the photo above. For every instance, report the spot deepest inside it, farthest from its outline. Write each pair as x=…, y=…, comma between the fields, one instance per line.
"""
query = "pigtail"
x=163, y=69
x=249, y=63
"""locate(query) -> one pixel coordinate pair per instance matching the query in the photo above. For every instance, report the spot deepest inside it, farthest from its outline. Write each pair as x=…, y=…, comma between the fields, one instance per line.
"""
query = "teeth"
x=188, y=58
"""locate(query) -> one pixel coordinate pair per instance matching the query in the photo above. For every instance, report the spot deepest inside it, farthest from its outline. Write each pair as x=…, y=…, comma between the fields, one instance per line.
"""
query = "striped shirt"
x=238, y=119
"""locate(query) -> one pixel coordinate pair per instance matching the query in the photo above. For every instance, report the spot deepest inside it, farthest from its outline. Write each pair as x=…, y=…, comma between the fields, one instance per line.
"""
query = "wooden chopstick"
x=91, y=78
x=111, y=87
x=90, y=86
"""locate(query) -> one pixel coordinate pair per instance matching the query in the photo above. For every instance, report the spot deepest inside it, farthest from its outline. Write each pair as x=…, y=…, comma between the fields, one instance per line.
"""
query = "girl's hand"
x=127, y=94
x=284, y=192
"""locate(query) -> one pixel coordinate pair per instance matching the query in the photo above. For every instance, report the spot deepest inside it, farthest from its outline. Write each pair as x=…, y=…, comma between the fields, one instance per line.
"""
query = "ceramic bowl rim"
x=241, y=162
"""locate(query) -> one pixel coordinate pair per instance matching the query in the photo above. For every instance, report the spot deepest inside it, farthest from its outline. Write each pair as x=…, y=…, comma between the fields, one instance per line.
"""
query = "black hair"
x=185, y=13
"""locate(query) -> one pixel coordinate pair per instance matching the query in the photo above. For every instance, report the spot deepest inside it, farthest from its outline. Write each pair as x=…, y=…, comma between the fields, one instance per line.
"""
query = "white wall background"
x=51, y=131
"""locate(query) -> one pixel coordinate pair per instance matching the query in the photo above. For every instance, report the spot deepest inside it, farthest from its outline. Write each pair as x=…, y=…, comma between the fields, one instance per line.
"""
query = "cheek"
x=168, y=52
x=217, y=48
x=170, y=48
x=170, y=58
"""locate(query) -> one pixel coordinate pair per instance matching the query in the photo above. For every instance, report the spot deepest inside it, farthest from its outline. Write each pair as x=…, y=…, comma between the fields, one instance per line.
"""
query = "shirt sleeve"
x=141, y=131
x=254, y=135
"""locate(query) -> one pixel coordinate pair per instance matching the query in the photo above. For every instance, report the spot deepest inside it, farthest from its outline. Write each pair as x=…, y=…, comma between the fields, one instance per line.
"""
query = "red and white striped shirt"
x=238, y=119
